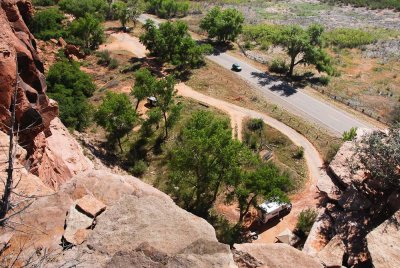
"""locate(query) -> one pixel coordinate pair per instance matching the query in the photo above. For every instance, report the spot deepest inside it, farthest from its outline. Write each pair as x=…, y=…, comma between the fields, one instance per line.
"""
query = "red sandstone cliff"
x=36, y=114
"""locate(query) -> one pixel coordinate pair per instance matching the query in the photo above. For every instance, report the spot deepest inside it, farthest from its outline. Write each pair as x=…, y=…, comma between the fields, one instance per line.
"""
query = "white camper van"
x=272, y=209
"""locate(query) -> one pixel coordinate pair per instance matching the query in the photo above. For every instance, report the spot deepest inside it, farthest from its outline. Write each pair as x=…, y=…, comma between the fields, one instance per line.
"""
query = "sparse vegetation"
x=374, y=4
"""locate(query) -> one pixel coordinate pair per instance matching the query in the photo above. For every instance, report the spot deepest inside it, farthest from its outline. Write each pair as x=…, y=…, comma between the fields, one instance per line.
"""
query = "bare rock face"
x=332, y=254
x=278, y=255
x=384, y=243
x=18, y=47
x=136, y=215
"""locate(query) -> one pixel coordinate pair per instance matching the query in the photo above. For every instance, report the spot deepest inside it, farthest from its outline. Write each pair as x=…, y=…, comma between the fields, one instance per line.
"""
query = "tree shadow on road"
x=274, y=83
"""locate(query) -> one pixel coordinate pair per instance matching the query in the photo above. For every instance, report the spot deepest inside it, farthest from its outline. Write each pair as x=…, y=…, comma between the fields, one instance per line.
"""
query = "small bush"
x=299, y=152
x=305, y=222
x=113, y=64
x=44, y=2
x=104, y=58
x=139, y=168
x=279, y=66
x=349, y=135
x=255, y=124
x=324, y=80
x=330, y=154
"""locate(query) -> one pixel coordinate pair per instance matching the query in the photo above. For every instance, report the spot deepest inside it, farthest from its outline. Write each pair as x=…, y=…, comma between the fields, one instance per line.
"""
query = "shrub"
x=80, y=8
x=349, y=135
x=377, y=4
x=255, y=124
x=104, y=57
x=299, y=152
x=113, y=64
x=44, y=2
x=330, y=154
x=305, y=222
x=349, y=38
x=168, y=8
x=139, y=168
x=279, y=66
x=324, y=80
x=47, y=24
x=70, y=87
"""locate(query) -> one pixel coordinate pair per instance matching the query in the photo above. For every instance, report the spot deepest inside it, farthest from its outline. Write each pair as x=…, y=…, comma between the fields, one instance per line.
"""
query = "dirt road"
x=304, y=199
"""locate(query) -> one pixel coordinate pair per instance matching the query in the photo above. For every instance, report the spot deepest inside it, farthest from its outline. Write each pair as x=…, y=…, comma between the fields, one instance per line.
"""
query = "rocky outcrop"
x=384, y=243
x=278, y=255
x=139, y=222
x=352, y=209
x=34, y=110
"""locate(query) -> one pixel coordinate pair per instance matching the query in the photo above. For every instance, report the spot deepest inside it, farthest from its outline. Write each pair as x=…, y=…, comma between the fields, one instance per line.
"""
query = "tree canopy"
x=304, y=47
x=86, y=31
x=203, y=160
x=144, y=85
x=47, y=24
x=116, y=115
x=128, y=11
x=80, y=8
x=172, y=43
x=224, y=25
x=168, y=8
x=70, y=87
x=265, y=182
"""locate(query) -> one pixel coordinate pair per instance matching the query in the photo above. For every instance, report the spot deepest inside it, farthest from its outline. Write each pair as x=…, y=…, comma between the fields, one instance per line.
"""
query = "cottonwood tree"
x=165, y=92
x=87, y=31
x=304, y=47
x=224, y=25
x=144, y=85
x=265, y=182
x=116, y=115
x=204, y=158
x=171, y=43
x=127, y=11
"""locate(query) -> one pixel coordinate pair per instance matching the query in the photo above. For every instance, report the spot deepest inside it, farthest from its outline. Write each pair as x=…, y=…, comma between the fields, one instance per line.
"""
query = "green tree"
x=304, y=47
x=172, y=43
x=81, y=8
x=144, y=85
x=168, y=9
x=47, y=24
x=116, y=115
x=266, y=182
x=225, y=25
x=70, y=87
x=203, y=159
x=87, y=31
x=165, y=92
x=128, y=11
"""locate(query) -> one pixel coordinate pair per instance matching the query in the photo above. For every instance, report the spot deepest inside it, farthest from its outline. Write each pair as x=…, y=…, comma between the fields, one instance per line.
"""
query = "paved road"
x=284, y=95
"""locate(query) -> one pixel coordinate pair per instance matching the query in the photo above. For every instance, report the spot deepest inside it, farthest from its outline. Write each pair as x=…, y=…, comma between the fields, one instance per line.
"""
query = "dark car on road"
x=236, y=67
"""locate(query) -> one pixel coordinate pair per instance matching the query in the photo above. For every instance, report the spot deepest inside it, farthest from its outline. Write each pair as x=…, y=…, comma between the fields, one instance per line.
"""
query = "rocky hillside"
x=353, y=228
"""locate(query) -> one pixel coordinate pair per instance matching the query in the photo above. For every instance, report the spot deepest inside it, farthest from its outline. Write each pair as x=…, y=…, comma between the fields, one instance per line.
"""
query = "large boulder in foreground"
x=384, y=243
x=278, y=255
x=139, y=222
